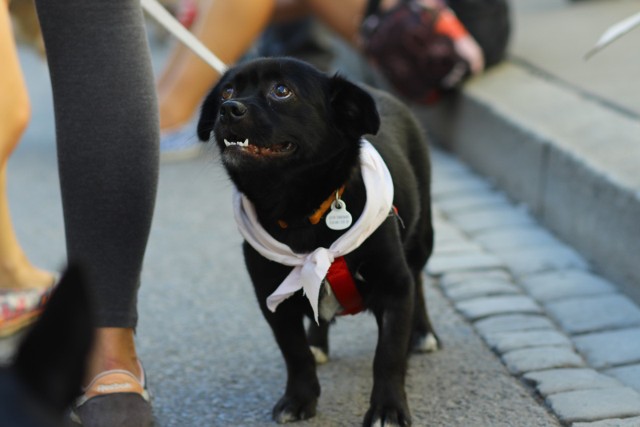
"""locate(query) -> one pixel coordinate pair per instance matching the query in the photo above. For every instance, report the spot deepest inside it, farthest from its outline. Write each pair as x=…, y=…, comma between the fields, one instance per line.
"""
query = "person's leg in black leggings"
x=107, y=137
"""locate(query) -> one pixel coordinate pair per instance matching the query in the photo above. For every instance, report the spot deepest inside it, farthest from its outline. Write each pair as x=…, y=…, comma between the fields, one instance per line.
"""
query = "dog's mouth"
x=273, y=150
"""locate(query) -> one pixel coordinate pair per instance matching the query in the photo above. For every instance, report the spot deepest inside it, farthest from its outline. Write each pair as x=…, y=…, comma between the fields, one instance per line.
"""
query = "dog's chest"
x=305, y=238
x=339, y=294
x=328, y=305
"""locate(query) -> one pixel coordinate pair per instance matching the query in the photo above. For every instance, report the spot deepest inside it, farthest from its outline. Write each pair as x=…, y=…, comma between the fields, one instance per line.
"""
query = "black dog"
x=39, y=386
x=290, y=139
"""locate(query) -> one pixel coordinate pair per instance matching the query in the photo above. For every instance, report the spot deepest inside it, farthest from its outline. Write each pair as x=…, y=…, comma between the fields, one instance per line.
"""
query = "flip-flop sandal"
x=20, y=308
x=114, y=398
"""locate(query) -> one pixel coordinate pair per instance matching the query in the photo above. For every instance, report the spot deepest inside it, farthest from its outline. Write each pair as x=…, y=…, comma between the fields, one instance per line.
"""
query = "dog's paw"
x=289, y=409
x=387, y=417
x=426, y=344
x=319, y=355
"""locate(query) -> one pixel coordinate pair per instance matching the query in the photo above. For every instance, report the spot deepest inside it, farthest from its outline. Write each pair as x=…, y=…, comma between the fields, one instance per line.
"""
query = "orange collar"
x=319, y=213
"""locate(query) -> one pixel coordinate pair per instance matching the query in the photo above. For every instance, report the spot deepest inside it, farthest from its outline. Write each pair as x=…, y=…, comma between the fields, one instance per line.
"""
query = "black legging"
x=107, y=138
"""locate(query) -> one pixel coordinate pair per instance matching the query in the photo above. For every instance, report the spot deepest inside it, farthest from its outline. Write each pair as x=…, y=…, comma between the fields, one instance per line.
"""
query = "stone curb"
x=556, y=325
x=572, y=160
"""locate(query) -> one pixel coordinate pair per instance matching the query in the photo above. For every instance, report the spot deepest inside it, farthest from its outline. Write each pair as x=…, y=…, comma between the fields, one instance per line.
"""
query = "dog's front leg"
x=318, y=336
x=388, y=404
x=303, y=389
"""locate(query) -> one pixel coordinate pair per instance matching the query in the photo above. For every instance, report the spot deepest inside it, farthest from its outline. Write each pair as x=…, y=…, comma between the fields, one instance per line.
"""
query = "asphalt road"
x=209, y=355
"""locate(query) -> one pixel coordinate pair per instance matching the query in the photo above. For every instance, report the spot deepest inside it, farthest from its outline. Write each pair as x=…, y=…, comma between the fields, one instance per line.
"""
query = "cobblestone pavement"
x=554, y=323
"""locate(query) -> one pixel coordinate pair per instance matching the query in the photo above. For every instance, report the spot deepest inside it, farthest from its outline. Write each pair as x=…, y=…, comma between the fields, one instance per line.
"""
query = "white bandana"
x=310, y=269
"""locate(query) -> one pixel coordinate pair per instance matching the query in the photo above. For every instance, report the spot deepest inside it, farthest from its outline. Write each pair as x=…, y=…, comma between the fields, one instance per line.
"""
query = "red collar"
x=344, y=287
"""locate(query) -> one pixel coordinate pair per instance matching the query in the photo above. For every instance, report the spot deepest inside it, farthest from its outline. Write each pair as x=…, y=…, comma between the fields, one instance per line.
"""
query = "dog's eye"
x=227, y=92
x=281, y=91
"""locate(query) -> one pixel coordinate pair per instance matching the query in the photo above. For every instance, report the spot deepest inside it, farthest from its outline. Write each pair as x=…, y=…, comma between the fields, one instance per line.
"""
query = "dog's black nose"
x=232, y=110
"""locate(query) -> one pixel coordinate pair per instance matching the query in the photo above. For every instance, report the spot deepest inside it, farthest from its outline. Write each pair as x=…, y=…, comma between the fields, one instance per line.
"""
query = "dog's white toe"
x=378, y=423
x=285, y=417
x=427, y=344
x=318, y=354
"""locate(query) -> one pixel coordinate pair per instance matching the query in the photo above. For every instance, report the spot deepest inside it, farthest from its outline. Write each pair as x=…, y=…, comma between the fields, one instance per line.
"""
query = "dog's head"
x=45, y=377
x=283, y=113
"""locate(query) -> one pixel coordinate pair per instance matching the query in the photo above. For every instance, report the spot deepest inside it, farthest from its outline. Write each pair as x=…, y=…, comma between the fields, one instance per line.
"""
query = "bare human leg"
x=16, y=272
x=227, y=28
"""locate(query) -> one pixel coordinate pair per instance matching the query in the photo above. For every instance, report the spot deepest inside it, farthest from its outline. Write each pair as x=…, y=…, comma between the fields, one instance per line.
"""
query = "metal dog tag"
x=339, y=218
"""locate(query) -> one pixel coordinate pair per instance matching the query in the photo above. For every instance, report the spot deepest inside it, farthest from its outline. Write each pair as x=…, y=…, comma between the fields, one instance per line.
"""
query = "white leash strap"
x=164, y=18
x=614, y=32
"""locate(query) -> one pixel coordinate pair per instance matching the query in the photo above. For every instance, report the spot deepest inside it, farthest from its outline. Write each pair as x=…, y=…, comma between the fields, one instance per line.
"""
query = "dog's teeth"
x=238, y=143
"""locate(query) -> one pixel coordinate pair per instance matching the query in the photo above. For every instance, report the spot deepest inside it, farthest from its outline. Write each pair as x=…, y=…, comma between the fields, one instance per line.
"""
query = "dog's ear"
x=355, y=111
x=52, y=359
x=208, y=113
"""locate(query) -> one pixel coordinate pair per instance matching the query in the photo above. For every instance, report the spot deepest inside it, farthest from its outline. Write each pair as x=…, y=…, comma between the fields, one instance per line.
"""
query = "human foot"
x=178, y=140
x=114, y=348
x=115, y=398
x=24, y=291
x=20, y=308
x=25, y=278
x=116, y=394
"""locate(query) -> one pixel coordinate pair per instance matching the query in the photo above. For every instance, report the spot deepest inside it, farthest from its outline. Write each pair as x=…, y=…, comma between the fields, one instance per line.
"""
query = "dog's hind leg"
x=318, y=336
x=423, y=336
